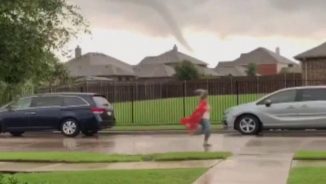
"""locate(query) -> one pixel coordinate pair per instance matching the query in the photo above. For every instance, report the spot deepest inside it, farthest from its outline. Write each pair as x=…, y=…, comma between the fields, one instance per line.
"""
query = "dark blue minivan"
x=70, y=113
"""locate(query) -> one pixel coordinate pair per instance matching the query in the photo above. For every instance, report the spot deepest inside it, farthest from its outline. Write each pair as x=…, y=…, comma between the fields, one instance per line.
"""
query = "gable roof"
x=316, y=52
x=262, y=56
x=97, y=64
x=171, y=57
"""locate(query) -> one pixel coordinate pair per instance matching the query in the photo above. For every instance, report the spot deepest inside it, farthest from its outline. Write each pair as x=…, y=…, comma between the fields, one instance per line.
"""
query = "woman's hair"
x=203, y=94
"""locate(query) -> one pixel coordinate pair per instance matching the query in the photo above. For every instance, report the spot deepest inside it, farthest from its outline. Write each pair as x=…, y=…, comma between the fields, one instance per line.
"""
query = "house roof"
x=316, y=52
x=227, y=68
x=262, y=56
x=163, y=70
x=97, y=64
x=154, y=71
x=171, y=57
x=207, y=71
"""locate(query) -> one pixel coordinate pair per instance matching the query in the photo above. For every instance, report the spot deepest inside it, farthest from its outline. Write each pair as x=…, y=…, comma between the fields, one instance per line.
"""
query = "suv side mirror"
x=9, y=107
x=268, y=103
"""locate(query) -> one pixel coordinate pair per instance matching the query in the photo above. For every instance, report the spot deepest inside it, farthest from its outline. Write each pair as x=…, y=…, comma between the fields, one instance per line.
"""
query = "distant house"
x=313, y=63
x=162, y=67
x=97, y=66
x=229, y=68
x=268, y=63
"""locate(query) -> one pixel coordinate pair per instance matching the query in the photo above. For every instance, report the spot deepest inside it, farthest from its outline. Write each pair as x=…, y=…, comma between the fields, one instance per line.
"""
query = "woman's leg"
x=206, y=128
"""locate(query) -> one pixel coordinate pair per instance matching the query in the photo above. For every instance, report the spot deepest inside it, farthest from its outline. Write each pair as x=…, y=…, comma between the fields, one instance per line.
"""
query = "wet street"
x=268, y=143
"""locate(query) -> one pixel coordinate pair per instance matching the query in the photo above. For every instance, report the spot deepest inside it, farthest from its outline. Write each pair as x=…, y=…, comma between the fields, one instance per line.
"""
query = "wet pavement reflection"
x=133, y=144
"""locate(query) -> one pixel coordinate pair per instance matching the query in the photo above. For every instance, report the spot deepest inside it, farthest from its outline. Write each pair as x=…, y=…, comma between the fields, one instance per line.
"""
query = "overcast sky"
x=212, y=30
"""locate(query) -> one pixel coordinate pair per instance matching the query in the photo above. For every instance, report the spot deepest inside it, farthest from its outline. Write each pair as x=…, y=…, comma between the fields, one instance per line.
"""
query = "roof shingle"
x=96, y=64
x=262, y=56
x=316, y=52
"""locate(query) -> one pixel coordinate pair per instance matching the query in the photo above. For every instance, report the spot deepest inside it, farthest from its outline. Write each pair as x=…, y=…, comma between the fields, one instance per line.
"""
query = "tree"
x=31, y=31
x=53, y=73
x=252, y=70
x=187, y=71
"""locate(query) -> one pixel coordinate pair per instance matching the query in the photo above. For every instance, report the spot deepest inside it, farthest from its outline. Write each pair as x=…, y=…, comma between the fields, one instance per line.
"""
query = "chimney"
x=175, y=48
x=277, y=50
x=78, y=52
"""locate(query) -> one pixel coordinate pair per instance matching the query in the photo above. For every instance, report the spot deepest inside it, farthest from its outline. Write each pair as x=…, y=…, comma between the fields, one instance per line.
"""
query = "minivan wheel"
x=70, y=128
x=17, y=134
x=89, y=133
x=248, y=125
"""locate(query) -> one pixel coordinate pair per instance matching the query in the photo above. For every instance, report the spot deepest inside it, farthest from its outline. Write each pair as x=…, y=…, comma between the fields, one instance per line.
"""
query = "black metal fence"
x=156, y=103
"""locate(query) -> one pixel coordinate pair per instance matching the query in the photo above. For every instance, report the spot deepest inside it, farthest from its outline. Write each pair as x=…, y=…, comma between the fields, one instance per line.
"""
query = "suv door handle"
x=291, y=107
x=30, y=113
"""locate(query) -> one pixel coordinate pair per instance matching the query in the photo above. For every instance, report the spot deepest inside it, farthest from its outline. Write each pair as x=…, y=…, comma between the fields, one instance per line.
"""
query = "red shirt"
x=192, y=121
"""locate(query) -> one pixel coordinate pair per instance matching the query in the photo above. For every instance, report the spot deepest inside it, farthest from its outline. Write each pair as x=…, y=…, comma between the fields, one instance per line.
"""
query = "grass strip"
x=310, y=155
x=84, y=157
x=160, y=176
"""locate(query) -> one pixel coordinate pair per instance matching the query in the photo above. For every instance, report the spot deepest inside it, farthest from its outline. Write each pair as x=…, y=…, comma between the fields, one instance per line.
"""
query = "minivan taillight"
x=97, y=110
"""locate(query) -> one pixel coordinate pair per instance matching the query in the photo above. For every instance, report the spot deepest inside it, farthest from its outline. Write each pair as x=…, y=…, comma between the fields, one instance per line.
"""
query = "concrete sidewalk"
x=250, y=169
x=14, y=167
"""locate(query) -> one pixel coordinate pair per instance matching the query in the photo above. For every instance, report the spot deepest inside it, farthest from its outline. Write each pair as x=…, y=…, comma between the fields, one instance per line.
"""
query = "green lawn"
x=169, y=111
x=307, y=175
x=310, y=155
x=83, y=157
x=164, y=176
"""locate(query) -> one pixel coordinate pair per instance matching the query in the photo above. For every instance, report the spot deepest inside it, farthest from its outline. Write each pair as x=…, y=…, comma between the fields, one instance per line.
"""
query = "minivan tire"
x=17, y=134
x=70, y=128
x=248, y=125
x=89, y=133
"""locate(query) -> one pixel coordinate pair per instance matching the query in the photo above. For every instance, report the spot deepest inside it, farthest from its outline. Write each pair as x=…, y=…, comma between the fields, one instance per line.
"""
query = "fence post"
x=114, y=99
x=184, y=97
x=237, y=90
x=132, y=104
x=86, y=86
x=257, y=84
x=285, y=79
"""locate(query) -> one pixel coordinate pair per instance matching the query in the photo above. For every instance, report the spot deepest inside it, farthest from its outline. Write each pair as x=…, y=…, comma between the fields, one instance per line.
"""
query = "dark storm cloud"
x=296, y=18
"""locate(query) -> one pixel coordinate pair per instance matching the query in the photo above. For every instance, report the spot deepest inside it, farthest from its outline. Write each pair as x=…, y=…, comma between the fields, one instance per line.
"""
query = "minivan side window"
x=313, y=94
x=52, y=101
x=21, y=104
x=281, y=97
x=73, y=101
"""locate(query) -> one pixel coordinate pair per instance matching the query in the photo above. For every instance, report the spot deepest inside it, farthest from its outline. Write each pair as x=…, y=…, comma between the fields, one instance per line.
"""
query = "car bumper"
x=228, y=122
x=108, y=123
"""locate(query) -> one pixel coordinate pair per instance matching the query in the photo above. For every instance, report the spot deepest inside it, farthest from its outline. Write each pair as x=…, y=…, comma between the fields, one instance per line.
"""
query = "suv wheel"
x=17, y=134
x=89, y=133
x=248, y=125
x=70, y=128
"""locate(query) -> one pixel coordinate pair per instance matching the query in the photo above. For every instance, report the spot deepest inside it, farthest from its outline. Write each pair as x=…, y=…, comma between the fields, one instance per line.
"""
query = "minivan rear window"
x=101, y=101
